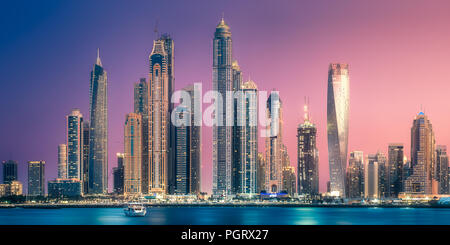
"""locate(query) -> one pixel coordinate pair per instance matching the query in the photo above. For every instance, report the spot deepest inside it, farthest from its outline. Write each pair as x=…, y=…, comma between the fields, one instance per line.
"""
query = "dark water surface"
x=228, y=216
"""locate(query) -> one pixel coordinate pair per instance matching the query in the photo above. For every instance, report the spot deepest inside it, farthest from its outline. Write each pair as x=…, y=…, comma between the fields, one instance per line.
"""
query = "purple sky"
x=398, y=52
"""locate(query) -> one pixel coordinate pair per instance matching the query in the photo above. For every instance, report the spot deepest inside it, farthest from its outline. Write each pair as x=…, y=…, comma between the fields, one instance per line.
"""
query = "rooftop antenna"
x=156, y=28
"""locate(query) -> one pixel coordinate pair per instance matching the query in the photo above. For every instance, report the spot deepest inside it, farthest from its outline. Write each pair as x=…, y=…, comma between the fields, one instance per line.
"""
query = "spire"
x=99, y=62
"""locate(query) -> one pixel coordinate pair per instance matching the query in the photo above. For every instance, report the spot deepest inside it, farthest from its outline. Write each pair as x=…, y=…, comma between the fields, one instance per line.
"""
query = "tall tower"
x=132, y=154
x=118, y=174
x=98, y=134
x=247, y=123
x=182, y=151
x=338, y=101
x=222, y=133
x=355, y=175
x=371, y=177
x=85, y=169
x=422, y=156
x=195, y=141
x=395, y=169
x=237, y=131
x=274, y=143
x=74, y=126
x=62, y=161
x=308, y=157
x=36, y=178
x=9, y=171
x=141, y=107
x=159, y=119
x=441, y=170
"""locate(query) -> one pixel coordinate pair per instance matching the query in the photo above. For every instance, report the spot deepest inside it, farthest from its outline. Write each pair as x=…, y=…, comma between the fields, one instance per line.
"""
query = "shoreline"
x=193, y=205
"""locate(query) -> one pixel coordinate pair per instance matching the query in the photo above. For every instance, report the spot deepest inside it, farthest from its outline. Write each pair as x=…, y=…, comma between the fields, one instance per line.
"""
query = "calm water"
x=228, y=216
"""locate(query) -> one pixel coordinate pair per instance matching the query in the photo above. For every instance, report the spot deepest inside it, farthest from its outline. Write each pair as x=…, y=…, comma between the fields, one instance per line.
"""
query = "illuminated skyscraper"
x=141, y=107
x=237, y=131
x=371, y=177
x=383, y=175
x=159, y=119
x=9, y=171
x=441, y=169
x=274, y=143
x=307, y=157
x=195, y=140
x=85, y=169
x=74, y=126
x=247, y=128
x=62, y=161
x=422, y=156
x=36, y=178
x=395, y=169
x=98, y=134
x=132, y=154
x=118, y=174
x=261, y=173
x=182, y=151
x=338, y=102
x=355, y=175
x=222, y=133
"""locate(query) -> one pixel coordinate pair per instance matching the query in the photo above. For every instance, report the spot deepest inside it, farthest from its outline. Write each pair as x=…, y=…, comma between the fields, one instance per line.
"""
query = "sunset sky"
x=398, y=54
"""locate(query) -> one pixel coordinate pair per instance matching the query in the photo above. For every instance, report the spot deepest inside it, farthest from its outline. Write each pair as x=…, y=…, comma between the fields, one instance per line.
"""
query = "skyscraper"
x=62, y=161
x=98, y=134
x=85, y=169
x=182, y=151
x=36, y=178
x=159, y=119
x=247, y=134
x=222, y=133
x=141, y=107
x=307, y=157
x=441, y=170
x=132, y=154
x=195, y=137
x=9, y=171
x=395, y=168
x=237, y=131
x=169, y=49
x=383, y=174
x=289, y=181
x=118, y=174
x=261, y=173
x=338, y=102
x=371, y=177
x=355, y=175
x=274, y=143
x=422, y=156
x=74, y=126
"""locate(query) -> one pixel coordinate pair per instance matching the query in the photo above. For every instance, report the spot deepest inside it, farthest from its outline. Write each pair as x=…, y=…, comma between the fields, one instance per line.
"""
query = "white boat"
x=135, y=210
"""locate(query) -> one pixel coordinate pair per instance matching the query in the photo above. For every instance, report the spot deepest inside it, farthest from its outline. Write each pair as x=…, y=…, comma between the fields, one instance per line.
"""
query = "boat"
x=135, y=210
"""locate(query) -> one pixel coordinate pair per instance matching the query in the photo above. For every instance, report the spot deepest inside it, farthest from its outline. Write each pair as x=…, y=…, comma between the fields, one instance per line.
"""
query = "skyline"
x=255, y=55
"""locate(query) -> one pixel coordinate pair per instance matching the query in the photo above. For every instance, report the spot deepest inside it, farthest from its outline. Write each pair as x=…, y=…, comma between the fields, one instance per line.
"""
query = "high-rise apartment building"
x=441, y=169
x=395, y=170
x=9, y=171
x=141, y=94
x=62, y=161
x=74, y=142
x=338, y=103
x=36, y=178
x=355, y=175
x=132, y=154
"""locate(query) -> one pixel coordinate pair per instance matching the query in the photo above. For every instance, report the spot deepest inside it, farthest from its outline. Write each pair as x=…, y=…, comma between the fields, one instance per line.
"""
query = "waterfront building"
x=383, y=173
x=338, y=103
x=59, y=188
x=118, y=174
x=307, y=157
x=85, y=158
x=159, y=120
x=36, y=178
x=14, y=188
x=422, y=156
x=247, y=128
x=74, y=143
x=371, y=177
x=237, y=184
x=289, y=180
x=261, y=173
x=222, y=133
x=441, y=169
x=141, y=94
x=98, y=133
x=62, y=161
x=9, y=171
x=355, y=175
x=274, y=143
x=132, y=154
x=395, y=170
x=195, y=139
x=182, y=151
